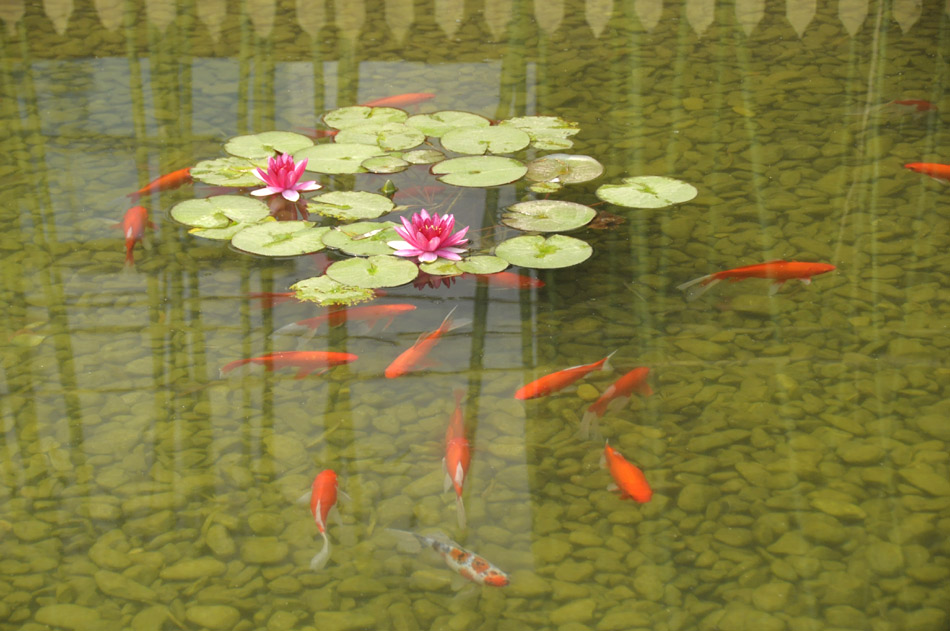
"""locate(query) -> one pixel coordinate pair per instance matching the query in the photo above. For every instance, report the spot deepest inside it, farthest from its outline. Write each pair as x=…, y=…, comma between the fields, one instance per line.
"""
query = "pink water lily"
x=429, y=237
x=281, y=177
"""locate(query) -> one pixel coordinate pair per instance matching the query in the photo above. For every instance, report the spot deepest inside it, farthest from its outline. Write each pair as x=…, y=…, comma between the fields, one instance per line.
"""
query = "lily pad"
x=544, y=253
x=336, y=158
x=482, y=264
x=564, y=168
x=647, y=191
x=345, y=117
x=364, y=238
x=236, y=172
x=547, y=215
x=547, y=132
x=219, y=234
x=325, y=291
x=545, y=188
x=438, y=123
x=219, y=211
x=350, y=205
x=281, y=238
x=441, y=267
x=479, y=171
x=266, y=145
x=388, y=136
x=385, y=164
x=373, y=272
x=479, y=140
x=423, y=156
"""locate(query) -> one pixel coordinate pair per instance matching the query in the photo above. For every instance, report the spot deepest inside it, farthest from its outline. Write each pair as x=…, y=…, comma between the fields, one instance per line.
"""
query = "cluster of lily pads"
x=388, y=140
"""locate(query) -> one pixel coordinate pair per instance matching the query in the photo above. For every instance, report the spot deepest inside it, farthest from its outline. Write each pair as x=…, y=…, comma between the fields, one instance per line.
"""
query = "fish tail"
x=320, y=559
x=460, y=511
x=698, y=286
x=590, y=416
x=607, y=366
x=232, y=365
x=129, y=256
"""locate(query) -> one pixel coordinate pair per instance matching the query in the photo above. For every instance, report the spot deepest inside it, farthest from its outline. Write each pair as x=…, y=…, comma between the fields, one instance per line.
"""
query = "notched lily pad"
x=219, y=211
x=345, y=117
x=350, y=205
x=386, y=164
x=236, y=172
x=480, y=140
x=219, y=234
x=479, y=171
x=364, y=238
x=336, y=158
x=545, y=188
x=441, y=267
x=482, y=264
x=544, y=253
x=373, y=272
x=266, y=144
x=438, y=123
x=647, y=191
x=388, y=136
x=280, y=238
x=564, y=168
x=423, y=156
x=547, y=132
x=325, y=291
x=547, y=215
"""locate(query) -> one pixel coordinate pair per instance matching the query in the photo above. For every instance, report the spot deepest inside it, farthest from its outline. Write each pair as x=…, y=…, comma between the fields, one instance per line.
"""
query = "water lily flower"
x=429, y=237
x=281, y=177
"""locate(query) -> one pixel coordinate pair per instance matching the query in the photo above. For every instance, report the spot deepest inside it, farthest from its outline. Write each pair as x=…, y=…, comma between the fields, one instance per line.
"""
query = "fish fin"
x=343, y=495
x=295, y=328
x=612, y=486
x=618, y=403
x=805, y=281
x=606, y=365
x=698, y=286
x=774, y=287
x=603, y=460
x=644, y=389
x=320, y=559
x=460, y=511
x=305, y=498
x=409, y=542
x=458, y=324
x=583, y=432
x=447, y=482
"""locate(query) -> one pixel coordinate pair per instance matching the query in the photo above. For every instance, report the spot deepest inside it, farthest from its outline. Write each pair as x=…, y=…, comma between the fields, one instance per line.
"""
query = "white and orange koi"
x=468, y=564
x=322, y=498
x=457, y=456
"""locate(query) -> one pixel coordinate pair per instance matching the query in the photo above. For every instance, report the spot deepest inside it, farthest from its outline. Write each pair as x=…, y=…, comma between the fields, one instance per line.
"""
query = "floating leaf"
x=345, y=117
x=479, y=171
x=219, y=234
x=337, y=158
x=547, y=132
x=547, y=215
x=388, y=136
x=350, y=205
x=423, y=156
x=236, y=172
x=219, y=211
x=373, y=272
x=385, y=164
x=545, y=188
x=564, y=168
x=482, y=264
x=438, y=123
x=364, y=238
x=325, y=291
x=441, y=267
x=280, y=238
x=647, y=191
x=539, y=252
x=479, y=140
x=266, y=145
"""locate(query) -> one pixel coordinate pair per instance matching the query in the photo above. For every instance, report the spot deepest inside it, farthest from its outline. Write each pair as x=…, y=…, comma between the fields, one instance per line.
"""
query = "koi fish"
x=779, y=271
x=618, y=393
x=560, y=379
x=133, y=228
x=627, y=477
x=468, y=564
x=939, y=172
x=904, y=107
x=370, y=314
x=322, y=499
x=414, y=356
x=164, y=183
x=400, y=100
x=305, y=361
x=270, y=299
x=457, y=456
x=509, y=280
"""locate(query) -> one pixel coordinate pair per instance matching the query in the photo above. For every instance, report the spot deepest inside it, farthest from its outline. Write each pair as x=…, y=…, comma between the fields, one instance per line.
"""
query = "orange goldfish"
x=457, y=456
x=779, y=271
x=322, y=499
x=164, y=183
x=133, y=228
x=509, y=280
x=305, y=361
x=627, y=478
x=939, y=172
x=617, y=394
x=415, y=356
x=371, y=314
x=560, y=379
x=400, y=100
x=468, y=564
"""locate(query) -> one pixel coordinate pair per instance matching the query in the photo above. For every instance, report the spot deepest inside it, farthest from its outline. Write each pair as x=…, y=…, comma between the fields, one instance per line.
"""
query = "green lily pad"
x=364, y=238
x=423, y=156
x=544, y=253
x=647, y=191
x=438, y=123
x=482, y=264
x=350, y=205
x=336, y=158
x=219, y=211
x=479, y=140
x=545, y=188
x=388, y=136
x=564, y=168
x=547, y=132
x=479, y=171
x=266, y=145
x=385, y=164
x=325, y=291
x=219, y=234
x=441, y=267
x=373, y=272
x=236, y=172
x=280, y=238
x=547, y=215
x=345, y=117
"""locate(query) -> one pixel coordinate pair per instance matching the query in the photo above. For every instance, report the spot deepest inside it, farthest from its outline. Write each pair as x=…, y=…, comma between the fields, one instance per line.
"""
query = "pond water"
x=796, y=443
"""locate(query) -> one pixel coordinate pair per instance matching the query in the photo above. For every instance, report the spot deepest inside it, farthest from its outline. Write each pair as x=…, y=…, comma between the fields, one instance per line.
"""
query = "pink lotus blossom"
x=281, y=177
x=429, y=238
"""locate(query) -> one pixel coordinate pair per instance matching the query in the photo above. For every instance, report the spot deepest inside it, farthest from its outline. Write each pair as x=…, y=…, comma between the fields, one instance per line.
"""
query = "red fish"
x=415, y=356
x=370, y=314
x=559, y=380
x=779, y=271
x=164, y=183
x=509, y=280
x=400, y=100
x=939, y=172
x=457, y=456
x=322, y=499
x=133, y=229
x=270, y=299
x=468, y=564
x=627, y=478
x=617, y=394
x=305, y=361
x=915, y=105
